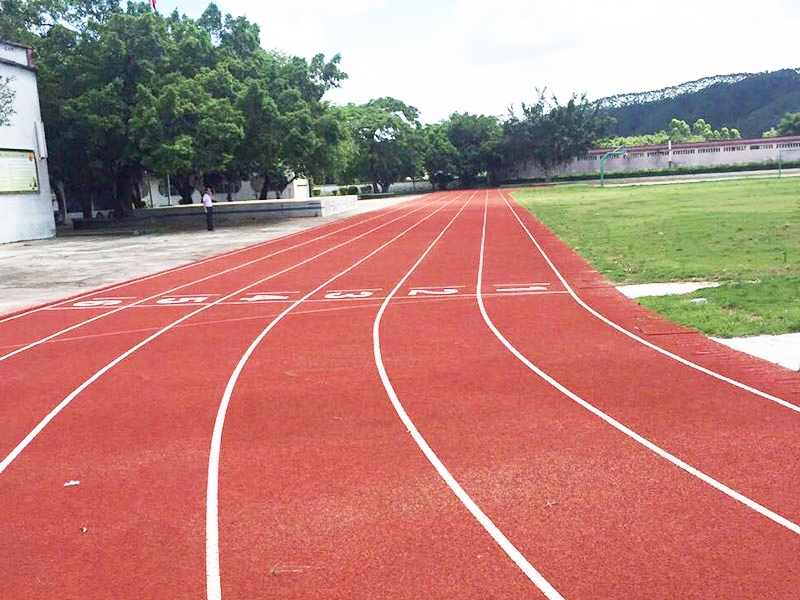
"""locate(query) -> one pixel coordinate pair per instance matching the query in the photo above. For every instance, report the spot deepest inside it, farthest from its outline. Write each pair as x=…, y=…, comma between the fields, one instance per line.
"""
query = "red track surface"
x=437, y=401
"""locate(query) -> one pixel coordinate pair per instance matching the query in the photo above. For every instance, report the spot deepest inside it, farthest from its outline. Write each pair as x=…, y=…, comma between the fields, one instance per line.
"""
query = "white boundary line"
x=274, y=240
x=213, y=571
x=775, y=517
x=4, y=464
x=635, y=337
x=195, y=282
x=515, y=555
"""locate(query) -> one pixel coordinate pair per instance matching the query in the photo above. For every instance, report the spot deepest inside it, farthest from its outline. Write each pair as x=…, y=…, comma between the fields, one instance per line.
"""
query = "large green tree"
x=440, y=156
x=127, y=90
x=551, y=134
x=385, y=134
x=188, y=127
x=475, y=139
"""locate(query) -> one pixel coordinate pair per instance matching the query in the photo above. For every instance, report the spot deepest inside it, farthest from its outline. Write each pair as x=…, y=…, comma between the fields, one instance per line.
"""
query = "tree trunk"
x=87, y=203
x=264, y=188
x=123, y=193
x=184, y=188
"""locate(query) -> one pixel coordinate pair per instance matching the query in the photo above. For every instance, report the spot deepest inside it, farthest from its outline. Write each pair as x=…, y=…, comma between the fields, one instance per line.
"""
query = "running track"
x=439, y=400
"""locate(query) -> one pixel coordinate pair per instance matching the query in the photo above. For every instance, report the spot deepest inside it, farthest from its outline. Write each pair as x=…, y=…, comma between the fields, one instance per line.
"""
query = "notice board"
x=18, y=172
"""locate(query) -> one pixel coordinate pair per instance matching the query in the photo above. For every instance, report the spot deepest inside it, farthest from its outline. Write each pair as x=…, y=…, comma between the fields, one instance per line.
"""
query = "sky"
x=483, y=57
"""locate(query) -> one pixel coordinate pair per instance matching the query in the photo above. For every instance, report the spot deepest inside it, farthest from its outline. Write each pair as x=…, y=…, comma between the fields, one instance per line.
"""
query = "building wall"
x=759, y=151
x=27, y=215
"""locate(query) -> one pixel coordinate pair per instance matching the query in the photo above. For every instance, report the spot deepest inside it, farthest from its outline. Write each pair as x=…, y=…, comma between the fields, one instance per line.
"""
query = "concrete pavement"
x=72, y=263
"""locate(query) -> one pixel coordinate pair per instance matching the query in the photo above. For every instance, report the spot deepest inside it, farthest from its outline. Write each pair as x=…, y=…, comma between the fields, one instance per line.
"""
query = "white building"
x=26, y=211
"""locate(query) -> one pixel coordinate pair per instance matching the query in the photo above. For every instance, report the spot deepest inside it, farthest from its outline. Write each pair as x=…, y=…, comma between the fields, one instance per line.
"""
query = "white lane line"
x=511, y=551
x=64, y=403
x=773, y=516
x=633, y=336
x=212, y=276
x=213, y=572
x=273, y=241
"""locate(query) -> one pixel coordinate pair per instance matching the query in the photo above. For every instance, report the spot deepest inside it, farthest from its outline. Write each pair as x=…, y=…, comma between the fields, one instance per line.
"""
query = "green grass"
x=744, y=234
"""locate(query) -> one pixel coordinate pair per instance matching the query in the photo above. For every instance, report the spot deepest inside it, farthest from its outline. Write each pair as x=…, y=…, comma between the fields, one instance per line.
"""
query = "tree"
x=550, y=134
x=475, y=140
x=6, y=100
x=187, y=130
x=440, y=156
x=679, y=130
x=384, y=133
x=789, y=124
x=24, y=21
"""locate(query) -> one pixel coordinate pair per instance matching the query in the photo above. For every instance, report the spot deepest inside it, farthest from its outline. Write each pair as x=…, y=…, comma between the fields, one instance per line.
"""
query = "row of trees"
x=679, y=131
x=129, y=91
x=384, y=142
x=126, y=91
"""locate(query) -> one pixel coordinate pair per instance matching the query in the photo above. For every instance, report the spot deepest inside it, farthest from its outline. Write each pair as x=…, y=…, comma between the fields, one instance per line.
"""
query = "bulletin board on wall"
x=18, y=172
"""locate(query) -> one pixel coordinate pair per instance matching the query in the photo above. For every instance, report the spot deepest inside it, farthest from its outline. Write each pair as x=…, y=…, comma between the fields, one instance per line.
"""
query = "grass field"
x=744, y=234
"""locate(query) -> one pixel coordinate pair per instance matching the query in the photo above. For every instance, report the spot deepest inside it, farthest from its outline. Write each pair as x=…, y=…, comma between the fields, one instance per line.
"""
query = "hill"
x=750, y=102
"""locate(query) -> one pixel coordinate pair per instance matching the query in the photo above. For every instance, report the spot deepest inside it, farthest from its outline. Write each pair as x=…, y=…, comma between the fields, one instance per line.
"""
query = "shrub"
x=343, y=191
x=316, y=193
x=366, y=189
x=352, y=190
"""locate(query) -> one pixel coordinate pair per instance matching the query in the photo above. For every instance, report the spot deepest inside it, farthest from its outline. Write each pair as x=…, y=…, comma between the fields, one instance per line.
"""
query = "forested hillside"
x=752, y=103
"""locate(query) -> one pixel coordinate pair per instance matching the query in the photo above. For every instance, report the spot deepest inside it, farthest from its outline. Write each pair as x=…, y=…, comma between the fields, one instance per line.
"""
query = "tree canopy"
x=788, y=125
x=679, y=131
x=128, y=90
x=551, y=134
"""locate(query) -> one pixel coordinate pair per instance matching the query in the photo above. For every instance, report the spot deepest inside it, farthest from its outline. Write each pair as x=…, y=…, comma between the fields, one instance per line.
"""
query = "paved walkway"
x=42, y=271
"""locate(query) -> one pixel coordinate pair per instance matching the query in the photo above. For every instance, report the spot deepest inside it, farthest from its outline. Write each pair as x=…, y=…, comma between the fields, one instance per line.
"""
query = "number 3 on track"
x=343, y=295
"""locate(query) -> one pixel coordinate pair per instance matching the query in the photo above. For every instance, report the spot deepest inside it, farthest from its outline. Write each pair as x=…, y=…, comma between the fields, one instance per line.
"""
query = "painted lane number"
x=528, y=288
x=93, y=303
x=442, y=292
x=264, y=298
x=184, y=300
x=344, y=295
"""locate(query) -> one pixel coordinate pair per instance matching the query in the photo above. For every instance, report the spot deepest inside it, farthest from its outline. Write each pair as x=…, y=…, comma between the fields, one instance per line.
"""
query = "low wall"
x=248, y=210
x=765, y=151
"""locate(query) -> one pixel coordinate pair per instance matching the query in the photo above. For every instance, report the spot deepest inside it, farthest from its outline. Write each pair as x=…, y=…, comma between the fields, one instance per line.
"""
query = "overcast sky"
x=478, y=56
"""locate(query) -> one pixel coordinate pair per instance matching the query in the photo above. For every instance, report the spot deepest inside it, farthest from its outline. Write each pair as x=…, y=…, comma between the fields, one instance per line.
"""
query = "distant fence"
x=761, y=151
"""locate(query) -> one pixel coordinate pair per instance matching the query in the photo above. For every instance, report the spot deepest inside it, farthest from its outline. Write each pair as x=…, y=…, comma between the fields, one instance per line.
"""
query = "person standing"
x=208, y=207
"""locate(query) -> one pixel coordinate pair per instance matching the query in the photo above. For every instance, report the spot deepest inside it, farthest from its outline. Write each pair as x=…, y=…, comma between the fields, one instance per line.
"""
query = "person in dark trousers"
x=208, y=207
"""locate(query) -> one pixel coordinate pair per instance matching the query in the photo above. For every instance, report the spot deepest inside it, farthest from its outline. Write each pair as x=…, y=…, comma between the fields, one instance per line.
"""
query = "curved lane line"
x=213, y=571
x=635, y=337
x=212, y=276
x=741, y=498
x=511, y=551
x=4, y=464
